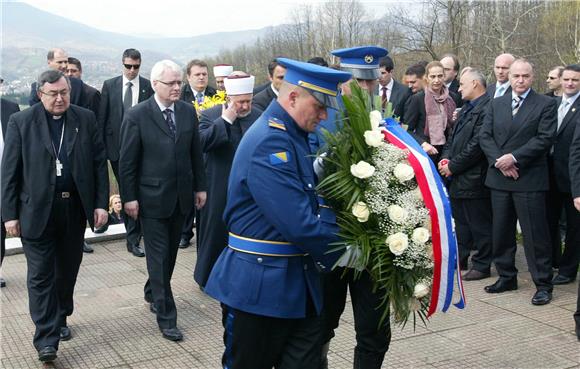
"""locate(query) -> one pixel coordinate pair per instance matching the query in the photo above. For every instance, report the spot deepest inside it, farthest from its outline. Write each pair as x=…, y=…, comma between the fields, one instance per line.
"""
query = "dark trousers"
x=372, y=340
x=473, y=225
x=187, y=230
x=530, y=209
x=577, y=313
x=161, y=237
x=3, y=249
x=132, y=226
x=53, y=262
x=259, y=342
x=568, y=260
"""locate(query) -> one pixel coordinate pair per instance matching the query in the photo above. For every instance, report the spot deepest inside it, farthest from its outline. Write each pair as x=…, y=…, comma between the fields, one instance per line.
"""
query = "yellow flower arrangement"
x=210, y=101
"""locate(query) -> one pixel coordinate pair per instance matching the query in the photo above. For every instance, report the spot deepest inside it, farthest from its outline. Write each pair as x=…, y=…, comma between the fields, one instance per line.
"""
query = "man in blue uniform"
x=268, y=278
x=372, y=339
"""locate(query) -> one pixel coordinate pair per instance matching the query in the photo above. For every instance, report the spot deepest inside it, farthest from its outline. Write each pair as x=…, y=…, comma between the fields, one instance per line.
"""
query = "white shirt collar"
x=523, y=96
x=163, y=107
x=505, y=85
x=273, y=89
x=134, y=81
x=572, y=98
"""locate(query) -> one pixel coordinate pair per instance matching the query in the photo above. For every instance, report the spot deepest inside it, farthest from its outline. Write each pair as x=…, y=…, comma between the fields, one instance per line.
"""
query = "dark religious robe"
x=219, y=141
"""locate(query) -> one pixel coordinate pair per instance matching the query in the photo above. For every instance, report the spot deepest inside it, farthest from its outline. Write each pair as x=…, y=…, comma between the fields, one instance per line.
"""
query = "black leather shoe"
x=172, y=334
x=502, y=286
x=184, y=243
x=65, y=333
x=562, y=279
x=2, y=282
x=47, y=354
x=152, y=308
x=542, y=297
x=475, y=275
x=137, y=251
x=87, y=248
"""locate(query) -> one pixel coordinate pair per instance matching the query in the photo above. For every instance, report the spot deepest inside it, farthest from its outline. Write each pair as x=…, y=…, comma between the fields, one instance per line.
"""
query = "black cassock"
x=219, y=141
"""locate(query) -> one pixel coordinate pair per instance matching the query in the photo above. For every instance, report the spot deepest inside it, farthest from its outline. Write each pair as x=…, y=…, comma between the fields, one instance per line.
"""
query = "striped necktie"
x=516, y=103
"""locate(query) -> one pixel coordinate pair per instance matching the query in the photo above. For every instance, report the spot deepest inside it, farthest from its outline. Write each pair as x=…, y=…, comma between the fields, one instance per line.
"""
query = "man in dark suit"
x=390, y=90
x=7, y=108
x=560, y=195
x=465, y=165
x=276, y=74
x=92, y=96
x=54, y=179
x=517, y=134
x=451, y=70
x=57, y=59
x=119, y=94
x=221, y=130
x=501, y=67
x=196, y=89
x=162, y=178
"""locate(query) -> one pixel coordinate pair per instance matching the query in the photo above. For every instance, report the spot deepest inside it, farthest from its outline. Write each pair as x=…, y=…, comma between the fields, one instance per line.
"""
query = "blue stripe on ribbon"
x=262, y=247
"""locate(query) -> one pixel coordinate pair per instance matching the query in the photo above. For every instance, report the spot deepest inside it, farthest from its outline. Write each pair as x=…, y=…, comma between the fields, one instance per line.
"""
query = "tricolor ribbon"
x=445, y=260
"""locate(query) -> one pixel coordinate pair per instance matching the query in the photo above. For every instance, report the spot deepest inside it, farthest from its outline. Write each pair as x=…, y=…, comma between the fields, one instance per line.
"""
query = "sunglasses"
x=132, y=66
x=549, y=77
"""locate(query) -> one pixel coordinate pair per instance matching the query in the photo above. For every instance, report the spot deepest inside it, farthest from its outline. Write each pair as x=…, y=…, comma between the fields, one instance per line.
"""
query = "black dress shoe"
x=475, y=275
x=47, y=354
x=87, y=248
x=2, y=282
x=542, y=297
x=562, y=279
x=184, y=243
x=502, y=286
x=65, y=333
x=137, y=251
x=153, y=308
x=172, y=334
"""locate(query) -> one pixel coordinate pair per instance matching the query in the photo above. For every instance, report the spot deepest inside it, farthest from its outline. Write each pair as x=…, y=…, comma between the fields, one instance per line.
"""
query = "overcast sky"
x=180, y=18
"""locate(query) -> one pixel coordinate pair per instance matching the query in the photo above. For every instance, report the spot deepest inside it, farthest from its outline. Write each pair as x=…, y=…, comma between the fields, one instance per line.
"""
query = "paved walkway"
x=113, y=328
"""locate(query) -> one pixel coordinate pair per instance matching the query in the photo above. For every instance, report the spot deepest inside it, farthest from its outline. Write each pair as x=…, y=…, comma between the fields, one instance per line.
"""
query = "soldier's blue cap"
x=321, y=82
x=361, y=61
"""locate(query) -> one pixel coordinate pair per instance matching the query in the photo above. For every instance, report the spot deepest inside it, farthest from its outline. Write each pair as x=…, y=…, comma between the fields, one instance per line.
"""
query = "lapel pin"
x=573, y=110
x=77, y=130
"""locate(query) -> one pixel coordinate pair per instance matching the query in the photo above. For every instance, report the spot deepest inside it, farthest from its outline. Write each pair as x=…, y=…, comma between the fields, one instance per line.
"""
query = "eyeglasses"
x=550, y=77
x=132, y=66
x=178, y=83
x=55, y=94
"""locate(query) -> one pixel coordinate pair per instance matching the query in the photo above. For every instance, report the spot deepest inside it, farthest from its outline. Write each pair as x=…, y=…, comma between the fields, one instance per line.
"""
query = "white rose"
x=374, y=138
x=397, y=243
x=376, y=117
x=404, y=172
x=362, y=169
x=421, y=290
x=361, y=211
x=397, y=214
x=420, y=235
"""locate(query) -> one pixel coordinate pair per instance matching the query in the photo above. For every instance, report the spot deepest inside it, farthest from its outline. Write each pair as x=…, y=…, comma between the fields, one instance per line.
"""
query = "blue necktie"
x=169, y=120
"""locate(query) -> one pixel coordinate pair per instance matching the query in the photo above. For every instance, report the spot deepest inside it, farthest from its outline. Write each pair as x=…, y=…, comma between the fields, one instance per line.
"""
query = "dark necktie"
x=169, y=120
x=128, y=98
x=199, y=98
x=384, y=96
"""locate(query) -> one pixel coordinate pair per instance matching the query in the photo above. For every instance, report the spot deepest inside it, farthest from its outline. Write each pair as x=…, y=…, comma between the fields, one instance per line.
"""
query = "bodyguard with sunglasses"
x=117, y=96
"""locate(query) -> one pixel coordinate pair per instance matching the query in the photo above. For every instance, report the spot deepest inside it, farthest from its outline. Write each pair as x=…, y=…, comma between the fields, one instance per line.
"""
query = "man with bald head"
x=464, y=165
x=57, y=59
x=518, y=131
x=501, y=68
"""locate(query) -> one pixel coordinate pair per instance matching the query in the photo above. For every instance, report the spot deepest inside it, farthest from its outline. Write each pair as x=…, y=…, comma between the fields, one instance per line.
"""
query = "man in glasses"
x=54, y=179
x=162, y=179
x=553, y=81
x=118, y=95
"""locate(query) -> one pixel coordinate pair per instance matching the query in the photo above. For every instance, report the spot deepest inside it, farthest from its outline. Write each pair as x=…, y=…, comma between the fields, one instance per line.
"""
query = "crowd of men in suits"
x=510, y=154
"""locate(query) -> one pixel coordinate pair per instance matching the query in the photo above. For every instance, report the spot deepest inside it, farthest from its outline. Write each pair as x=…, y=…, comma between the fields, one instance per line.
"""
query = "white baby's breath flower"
x=361, y=211
x=362, y=169
x=421, y=290
x=397, y=243
x=374, y=138
x=397, y=214
x=404, y=172
x=376, y=117
x=420, y=235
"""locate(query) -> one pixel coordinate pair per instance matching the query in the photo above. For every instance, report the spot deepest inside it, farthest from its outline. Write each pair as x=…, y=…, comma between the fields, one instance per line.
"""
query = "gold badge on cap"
x=369, y=59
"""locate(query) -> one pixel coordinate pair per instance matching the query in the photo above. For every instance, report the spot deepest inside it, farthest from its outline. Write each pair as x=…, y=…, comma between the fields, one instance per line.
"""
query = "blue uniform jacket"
x=271, y=196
